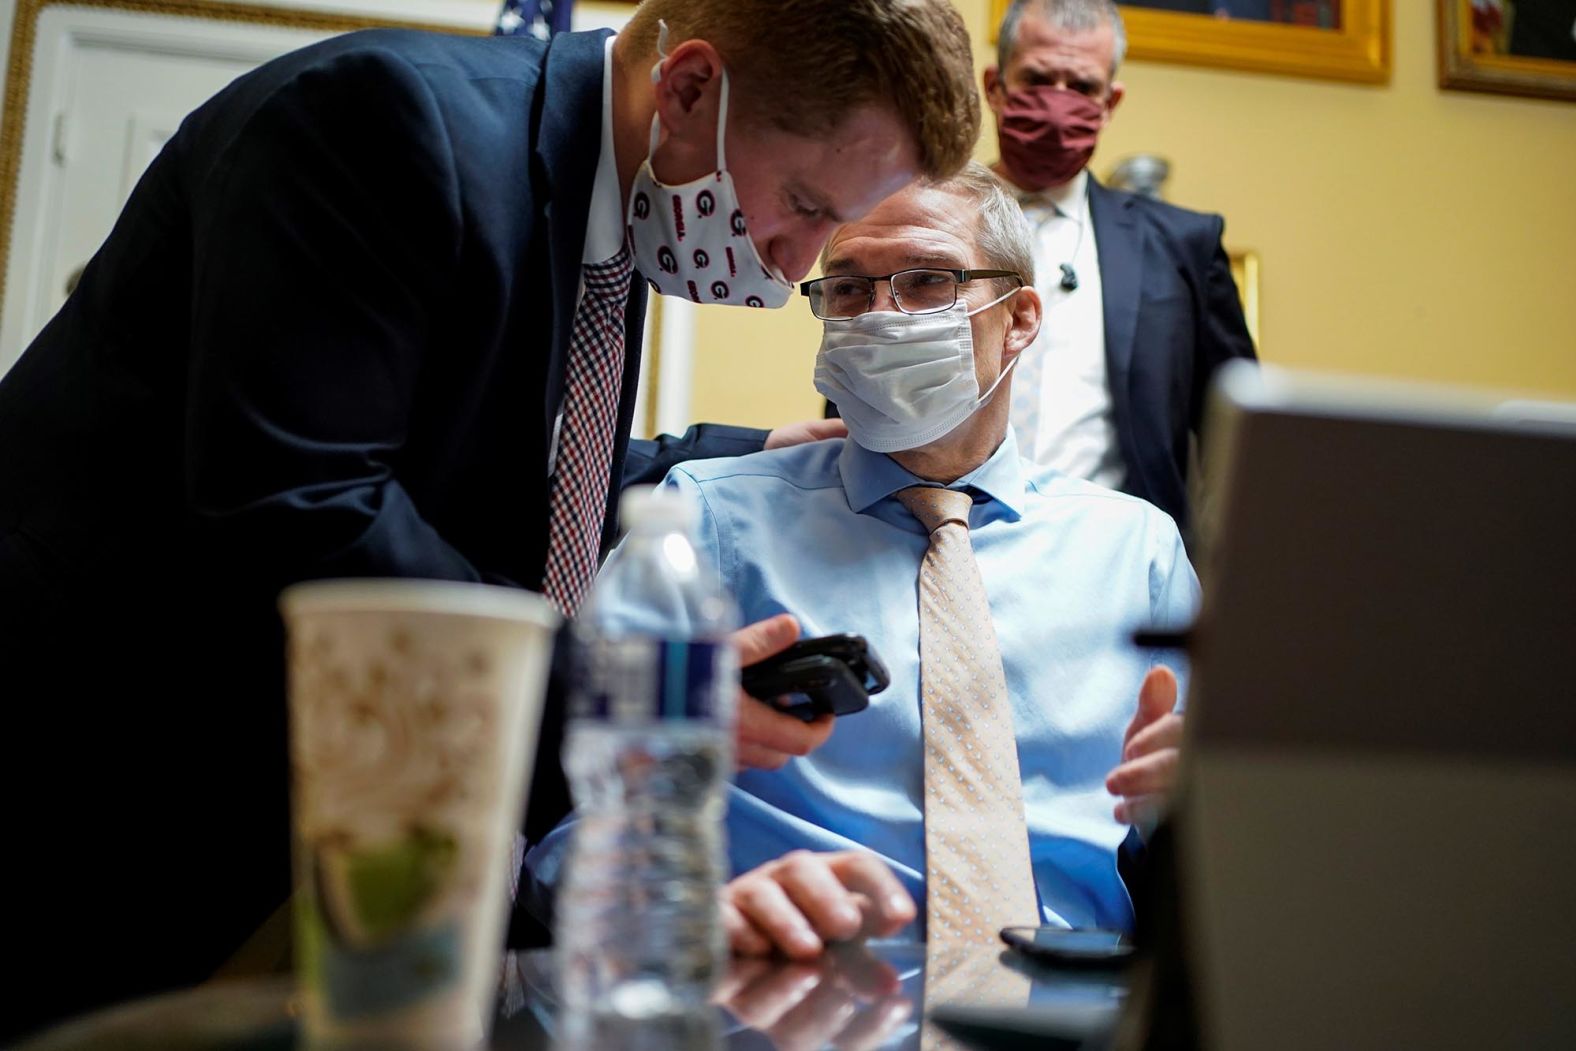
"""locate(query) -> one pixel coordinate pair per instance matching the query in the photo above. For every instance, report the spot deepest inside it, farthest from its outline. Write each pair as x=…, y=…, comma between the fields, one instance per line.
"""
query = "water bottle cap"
x=653, y=507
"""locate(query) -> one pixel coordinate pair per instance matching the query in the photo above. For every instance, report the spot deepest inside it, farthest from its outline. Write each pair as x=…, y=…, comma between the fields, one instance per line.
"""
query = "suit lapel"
x=567, y=148
x=1121, y=273
x=1121, y=251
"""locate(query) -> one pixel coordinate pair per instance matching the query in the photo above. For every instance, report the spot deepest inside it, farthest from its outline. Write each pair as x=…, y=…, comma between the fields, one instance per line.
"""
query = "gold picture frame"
x=1245, y=271
x=1466, y=65
x=1359, y=51
x=24, y=34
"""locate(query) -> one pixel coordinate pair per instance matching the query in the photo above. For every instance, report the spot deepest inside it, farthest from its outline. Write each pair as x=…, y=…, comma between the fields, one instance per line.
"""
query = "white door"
x=108, y=89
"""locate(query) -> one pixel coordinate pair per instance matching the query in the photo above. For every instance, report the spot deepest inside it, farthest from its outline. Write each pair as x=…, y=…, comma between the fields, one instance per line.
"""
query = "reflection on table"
x=856, y=997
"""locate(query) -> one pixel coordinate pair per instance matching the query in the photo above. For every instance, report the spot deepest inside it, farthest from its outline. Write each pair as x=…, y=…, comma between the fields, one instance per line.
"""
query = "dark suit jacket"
x=1172, y=316
x=325, y=338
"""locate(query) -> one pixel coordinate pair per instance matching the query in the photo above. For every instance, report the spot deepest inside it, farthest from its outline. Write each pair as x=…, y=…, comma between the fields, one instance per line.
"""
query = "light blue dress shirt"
x=1071, y=569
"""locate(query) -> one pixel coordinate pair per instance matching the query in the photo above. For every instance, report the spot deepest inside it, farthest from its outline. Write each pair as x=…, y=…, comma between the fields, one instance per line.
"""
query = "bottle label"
x=641, y=679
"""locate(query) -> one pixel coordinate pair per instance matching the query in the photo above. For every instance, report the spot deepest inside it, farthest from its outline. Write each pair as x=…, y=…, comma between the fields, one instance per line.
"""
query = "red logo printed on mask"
x=678, y=217
x=733, y=271
x=693, y=291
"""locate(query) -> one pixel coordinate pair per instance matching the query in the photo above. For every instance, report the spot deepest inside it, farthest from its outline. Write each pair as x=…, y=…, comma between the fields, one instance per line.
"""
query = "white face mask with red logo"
x=690, y=240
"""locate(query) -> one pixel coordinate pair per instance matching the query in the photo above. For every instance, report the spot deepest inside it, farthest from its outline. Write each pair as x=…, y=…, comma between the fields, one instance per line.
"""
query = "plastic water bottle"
x=648, y=751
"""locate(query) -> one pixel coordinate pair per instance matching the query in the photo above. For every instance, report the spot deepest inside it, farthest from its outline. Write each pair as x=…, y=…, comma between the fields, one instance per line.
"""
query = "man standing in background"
x=1140, y=305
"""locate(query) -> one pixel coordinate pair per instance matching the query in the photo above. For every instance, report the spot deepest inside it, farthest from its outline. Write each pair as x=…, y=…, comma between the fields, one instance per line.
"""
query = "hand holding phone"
x=833, y=674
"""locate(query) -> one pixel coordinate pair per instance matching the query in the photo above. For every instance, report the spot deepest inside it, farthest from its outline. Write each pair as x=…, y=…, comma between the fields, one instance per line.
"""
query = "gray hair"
x=1002, y=233
x=1076, y=15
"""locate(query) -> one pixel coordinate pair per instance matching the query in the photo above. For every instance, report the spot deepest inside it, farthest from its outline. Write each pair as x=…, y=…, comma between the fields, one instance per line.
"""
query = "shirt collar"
x=605, y=220
x=869, y=478
x=1069, y=199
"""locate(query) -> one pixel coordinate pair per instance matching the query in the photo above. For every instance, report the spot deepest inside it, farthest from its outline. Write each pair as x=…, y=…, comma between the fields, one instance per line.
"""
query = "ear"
x=1117, y=94
x=1023, y=324
x=686, y=94
x=995, y=89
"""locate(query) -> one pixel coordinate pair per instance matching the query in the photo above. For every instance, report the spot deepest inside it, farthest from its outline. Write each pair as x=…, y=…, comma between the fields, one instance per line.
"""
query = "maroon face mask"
x=1047, y=134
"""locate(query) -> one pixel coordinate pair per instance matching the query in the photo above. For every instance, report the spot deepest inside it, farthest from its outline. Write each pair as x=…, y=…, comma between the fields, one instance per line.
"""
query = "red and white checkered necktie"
x=592, y=386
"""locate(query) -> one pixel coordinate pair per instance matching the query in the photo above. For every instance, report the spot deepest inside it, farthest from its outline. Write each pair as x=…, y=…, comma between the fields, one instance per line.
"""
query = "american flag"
x=539, y=18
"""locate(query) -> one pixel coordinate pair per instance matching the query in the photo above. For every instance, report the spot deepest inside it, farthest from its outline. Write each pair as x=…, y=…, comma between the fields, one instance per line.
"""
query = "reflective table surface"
x=855, y=998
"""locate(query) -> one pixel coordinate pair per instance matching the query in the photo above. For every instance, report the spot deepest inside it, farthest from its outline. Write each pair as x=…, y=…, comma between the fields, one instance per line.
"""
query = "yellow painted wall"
x=1403, y=230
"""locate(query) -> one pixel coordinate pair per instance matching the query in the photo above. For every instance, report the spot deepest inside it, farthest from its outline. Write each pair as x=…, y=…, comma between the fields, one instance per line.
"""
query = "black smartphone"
x=1077, y=947
x=833, y=674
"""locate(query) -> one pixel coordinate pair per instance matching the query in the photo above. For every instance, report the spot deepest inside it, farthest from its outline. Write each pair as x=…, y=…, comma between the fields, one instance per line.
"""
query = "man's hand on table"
x=766, y=738
x=1150, y=753
x=800, y=902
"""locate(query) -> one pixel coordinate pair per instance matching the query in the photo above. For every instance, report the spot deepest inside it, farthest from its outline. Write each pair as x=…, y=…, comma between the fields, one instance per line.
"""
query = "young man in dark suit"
x=372, y=313
x=1140, y=305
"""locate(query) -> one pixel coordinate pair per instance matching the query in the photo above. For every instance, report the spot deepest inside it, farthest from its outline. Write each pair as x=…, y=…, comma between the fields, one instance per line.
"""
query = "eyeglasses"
x=922, y=291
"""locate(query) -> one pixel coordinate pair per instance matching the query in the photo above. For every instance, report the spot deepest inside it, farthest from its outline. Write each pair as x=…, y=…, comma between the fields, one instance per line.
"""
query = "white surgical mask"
x=903, y=380
x=690, y=240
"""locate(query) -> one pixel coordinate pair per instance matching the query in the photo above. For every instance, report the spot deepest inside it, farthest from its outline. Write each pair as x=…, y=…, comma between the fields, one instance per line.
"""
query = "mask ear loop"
x=999, y=299
x=722, y=121
x=722, y=105
x=656, y=78
x=983, y=398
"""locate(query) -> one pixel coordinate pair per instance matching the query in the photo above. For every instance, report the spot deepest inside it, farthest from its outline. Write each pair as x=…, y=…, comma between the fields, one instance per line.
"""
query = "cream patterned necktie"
x=978, y=878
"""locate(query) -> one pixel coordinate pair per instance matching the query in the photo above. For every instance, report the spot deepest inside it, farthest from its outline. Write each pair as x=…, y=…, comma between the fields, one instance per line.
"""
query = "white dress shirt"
x=1061, y=401
x=605, y=219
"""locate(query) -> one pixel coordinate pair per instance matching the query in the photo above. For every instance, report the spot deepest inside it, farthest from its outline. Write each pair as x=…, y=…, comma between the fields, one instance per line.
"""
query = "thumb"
x=1157, y=697
x=764, y=638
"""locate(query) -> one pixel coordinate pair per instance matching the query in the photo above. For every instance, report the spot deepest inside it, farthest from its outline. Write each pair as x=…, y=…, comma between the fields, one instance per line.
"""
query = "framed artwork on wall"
x=1329, y=39
x=1245, y=271
x=1509, y=47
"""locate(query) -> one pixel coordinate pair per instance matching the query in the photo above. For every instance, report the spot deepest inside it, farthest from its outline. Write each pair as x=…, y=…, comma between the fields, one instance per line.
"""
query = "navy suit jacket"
x=1172, y=317
x=325, y=338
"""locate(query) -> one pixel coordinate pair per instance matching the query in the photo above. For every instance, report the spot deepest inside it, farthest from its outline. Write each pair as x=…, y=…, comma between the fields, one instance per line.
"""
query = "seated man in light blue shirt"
x=832, y=845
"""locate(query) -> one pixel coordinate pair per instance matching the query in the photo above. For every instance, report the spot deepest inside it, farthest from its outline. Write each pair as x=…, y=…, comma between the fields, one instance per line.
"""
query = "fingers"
x=1158, y=694
x=806, y=431
x=802, y=901
x=767, y=738
x=765, y=638
x=1153, y=774
x=1143, y=812
x=888, y=906
x=823, y=429
x=835, y=913
x=1165, y=732
x=1157, y=697
x=743, y=938
x=763, y=902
